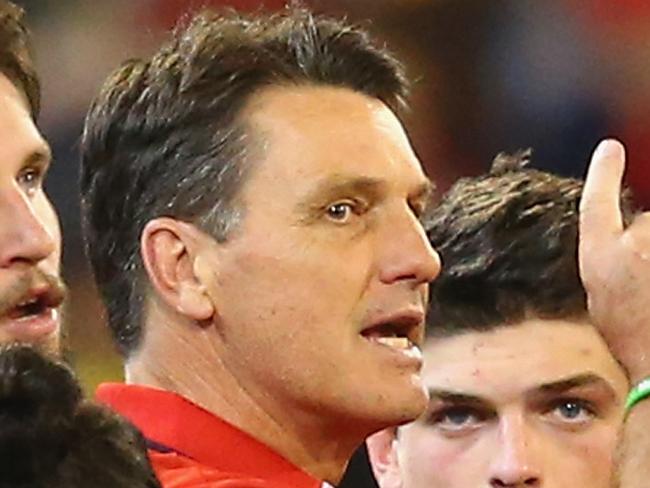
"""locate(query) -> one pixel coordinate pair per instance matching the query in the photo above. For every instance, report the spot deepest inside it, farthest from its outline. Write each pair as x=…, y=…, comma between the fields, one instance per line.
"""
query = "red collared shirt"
x=190, y=447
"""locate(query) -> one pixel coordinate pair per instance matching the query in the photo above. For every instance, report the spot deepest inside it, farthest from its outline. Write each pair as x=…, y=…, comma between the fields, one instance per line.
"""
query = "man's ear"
x=382, y=452
x=169, y=248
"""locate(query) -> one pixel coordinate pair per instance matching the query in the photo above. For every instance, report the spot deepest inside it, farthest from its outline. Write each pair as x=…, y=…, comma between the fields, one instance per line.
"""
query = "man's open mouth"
x=391, y=335
x=29, y=308
x=401, y=332
x=36, y=302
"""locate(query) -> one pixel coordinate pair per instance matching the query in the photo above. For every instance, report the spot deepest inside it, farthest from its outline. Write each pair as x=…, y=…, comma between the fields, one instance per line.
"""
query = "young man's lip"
x=31, y=328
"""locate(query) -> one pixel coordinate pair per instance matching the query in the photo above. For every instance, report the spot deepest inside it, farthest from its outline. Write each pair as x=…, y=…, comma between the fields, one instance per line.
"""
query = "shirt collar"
x=173, y=421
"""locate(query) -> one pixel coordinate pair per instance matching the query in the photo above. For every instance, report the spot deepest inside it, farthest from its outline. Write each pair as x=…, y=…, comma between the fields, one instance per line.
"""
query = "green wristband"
x=640, y=392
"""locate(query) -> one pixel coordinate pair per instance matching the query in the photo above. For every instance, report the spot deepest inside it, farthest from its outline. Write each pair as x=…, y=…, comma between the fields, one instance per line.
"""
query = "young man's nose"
x=515, y=463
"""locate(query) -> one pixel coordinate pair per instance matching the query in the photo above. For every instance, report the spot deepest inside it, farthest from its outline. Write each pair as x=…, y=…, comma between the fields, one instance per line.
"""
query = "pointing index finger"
x=600, y=210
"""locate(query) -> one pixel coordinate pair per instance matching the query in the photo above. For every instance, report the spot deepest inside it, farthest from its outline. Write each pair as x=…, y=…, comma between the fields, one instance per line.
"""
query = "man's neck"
x=192, y=367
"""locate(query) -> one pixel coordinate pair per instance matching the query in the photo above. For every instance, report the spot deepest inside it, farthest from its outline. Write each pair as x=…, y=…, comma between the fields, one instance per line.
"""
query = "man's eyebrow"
x=563, y=385
x=39, y=155
x=337, y=186
x=456, y=397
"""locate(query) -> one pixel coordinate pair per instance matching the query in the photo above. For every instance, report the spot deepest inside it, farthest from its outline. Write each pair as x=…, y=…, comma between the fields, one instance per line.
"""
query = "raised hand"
x=615, y=262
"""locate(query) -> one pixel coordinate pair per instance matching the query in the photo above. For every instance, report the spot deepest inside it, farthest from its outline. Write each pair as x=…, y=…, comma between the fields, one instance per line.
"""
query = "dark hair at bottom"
x=51, y=438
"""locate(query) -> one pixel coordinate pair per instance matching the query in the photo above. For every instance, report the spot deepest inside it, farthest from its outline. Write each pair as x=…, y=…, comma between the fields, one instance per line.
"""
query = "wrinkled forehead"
x=335, y=127
x=518, y=358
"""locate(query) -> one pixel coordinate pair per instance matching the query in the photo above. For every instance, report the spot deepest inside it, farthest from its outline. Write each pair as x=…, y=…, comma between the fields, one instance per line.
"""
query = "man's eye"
x=456, y=419
x=340, y=212
x=573, y=411
x=30, y=179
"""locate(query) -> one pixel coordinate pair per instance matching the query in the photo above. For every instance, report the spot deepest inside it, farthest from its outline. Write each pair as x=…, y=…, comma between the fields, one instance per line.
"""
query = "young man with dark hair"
x=523, y=390
x=242, y=190
x=31, y=291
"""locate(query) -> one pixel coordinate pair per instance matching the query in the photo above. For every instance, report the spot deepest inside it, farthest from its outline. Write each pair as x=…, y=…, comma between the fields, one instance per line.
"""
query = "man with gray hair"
x=243, y=190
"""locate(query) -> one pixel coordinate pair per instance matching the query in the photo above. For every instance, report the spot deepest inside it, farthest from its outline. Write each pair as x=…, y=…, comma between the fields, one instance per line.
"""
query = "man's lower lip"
x=407, y=357
x=32, y=328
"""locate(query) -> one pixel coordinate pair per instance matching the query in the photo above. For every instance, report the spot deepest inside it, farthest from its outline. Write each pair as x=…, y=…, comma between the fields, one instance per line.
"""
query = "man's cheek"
x=596, y=456
x=435, y=462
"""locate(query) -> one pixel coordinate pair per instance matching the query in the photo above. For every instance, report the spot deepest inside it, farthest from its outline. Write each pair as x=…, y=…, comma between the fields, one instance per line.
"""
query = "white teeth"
x=395, y=342
x=402, y=344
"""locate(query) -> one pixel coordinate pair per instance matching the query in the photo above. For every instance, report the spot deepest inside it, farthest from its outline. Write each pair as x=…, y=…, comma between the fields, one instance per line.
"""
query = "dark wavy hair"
x=51, y=438
x=508, y=242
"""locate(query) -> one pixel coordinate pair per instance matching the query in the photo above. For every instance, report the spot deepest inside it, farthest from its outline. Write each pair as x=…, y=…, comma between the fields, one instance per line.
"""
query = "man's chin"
x=47, y=342
x=402, y=405
x=52, y=345
x=416, y=404
x=49, y=346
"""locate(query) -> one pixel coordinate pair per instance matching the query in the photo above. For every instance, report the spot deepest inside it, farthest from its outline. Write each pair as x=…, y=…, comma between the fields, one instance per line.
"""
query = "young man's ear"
x=382, y=451
x=169, y=248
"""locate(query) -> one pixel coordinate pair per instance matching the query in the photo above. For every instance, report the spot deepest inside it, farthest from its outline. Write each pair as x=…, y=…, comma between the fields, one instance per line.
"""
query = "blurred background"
x=489, y=75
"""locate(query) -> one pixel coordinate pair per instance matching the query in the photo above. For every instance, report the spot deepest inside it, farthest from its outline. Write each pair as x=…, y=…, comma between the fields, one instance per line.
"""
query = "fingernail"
x=610, y=148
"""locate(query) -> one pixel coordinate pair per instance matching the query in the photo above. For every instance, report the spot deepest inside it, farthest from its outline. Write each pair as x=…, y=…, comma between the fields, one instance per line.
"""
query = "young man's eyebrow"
x=577, y=381
x=449, y=396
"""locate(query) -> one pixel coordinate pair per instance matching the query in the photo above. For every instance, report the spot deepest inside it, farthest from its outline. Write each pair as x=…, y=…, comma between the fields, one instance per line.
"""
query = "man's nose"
x=24, y=236
x=515, y=463
x=407, y=253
